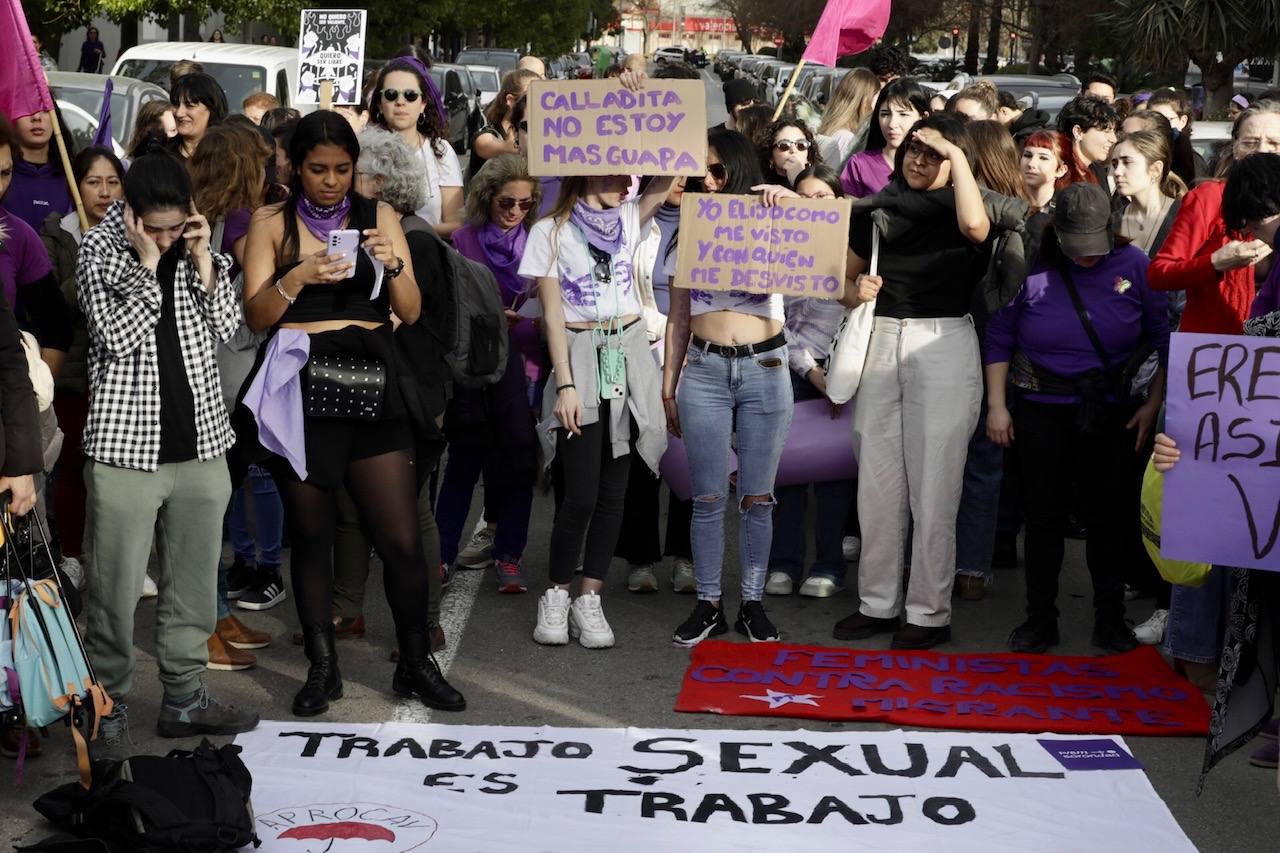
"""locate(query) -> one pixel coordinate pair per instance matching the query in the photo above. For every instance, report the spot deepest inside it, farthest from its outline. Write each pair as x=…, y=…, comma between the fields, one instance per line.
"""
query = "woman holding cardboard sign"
x=602, y=401
x=731, y=351
x=921, y=386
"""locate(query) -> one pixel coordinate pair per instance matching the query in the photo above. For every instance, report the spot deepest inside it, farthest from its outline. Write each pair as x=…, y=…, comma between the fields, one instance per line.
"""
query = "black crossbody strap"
x=1084, y=318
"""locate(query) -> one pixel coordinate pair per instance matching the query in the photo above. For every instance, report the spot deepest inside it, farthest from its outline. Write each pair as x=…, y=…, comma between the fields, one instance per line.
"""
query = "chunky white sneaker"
x=149, y=587
x=819, y=586
x=682, y=577
x=587, y=622
x=852, y=548
x=553, y=618
x=640, y=578
x=478, y=553
x=1151, y=632
x=779, y=583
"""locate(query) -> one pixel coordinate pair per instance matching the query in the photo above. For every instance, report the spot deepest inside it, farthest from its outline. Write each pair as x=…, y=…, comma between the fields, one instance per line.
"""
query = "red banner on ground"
x=1133, y=694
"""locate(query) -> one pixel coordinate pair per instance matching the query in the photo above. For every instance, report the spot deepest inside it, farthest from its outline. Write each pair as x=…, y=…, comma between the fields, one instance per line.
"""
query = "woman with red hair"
x=1049, y=163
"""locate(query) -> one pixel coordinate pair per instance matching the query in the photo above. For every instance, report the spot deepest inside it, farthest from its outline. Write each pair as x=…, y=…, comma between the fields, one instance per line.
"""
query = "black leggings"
x=384, y=489
x=595, y=488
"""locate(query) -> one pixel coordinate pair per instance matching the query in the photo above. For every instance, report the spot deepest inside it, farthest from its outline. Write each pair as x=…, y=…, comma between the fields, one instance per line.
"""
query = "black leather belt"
x=741, y=350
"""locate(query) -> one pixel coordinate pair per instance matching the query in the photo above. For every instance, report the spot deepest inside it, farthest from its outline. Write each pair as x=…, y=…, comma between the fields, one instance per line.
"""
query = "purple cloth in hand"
x=275, y=397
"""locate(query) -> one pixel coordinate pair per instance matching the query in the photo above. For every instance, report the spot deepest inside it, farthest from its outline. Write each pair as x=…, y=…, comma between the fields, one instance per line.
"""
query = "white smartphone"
x=346, y=242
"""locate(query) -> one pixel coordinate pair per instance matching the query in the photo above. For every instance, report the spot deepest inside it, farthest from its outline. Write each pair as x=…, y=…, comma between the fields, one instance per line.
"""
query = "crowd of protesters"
x=197, y=317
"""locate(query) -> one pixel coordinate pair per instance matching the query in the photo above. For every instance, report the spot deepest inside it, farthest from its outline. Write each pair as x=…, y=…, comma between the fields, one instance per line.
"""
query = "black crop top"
x=349, y=299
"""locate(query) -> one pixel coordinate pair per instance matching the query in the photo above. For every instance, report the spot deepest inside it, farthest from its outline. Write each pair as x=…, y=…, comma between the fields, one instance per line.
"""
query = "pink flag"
x=23, y=87
x=845, y=28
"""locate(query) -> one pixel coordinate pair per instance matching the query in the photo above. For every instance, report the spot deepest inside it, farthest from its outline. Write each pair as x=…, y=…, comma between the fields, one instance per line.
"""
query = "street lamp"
x=955, y=42
x=1013, y=41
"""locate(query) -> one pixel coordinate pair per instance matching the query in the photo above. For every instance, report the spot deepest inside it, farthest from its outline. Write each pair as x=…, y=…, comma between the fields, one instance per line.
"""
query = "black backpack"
x=190, y=801
x=468, y=322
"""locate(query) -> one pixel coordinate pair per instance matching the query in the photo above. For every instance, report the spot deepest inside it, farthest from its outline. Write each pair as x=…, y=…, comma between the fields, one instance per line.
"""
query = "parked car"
x=488, y=79
x=1208, y=138
x=775, y=80
x=663, y=55
x=475, y=117
x=759, y=76
x=83, y=127
x=747, y=65
x=723, y=65
x=500, y=58
x=127, y=97
x=456, y=106
x=240, y=69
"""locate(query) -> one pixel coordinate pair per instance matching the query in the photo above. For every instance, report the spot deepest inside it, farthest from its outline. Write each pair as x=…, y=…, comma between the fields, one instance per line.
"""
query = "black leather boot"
x=324, y=682
x=417, y=674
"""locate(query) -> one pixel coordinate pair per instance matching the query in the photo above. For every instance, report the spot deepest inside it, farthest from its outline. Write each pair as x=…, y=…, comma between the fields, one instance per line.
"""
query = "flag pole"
x=786, y=93
x=66, y=170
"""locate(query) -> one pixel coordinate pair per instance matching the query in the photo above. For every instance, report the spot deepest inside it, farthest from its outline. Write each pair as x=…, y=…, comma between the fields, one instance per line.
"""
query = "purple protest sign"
x=1103, y=754
x=819, y=448
x=1222, y=499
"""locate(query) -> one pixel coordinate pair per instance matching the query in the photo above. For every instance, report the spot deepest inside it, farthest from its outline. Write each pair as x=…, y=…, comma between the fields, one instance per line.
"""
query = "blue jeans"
x=979, y=502
x=512, y=502
x=830, y=517
x=1198, y=619
x=716, y=395
x=268, y=517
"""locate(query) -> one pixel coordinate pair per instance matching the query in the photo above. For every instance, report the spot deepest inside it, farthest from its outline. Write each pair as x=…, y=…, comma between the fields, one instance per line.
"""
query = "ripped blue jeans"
x=717, y=396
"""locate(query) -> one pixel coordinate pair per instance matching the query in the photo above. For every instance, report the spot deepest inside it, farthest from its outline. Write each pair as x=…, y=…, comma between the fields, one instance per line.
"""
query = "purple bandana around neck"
x=504, y=249
x=432, y=89
x=321, y=220
x=601, y=228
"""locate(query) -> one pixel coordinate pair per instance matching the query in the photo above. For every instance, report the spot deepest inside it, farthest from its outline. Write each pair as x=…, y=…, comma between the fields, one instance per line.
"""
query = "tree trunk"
x=993, y=38
x=1218, y=77
x=1083, y=58
x=975, y=29
x=1035, y=25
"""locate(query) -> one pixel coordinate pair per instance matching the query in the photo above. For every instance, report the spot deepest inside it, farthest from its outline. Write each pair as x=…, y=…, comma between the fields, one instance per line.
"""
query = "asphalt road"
x=509, y=680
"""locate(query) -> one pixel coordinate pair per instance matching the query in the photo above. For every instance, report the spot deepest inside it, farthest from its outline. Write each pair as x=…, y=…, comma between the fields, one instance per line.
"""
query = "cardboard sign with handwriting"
x=597, y=127
x=797, y=247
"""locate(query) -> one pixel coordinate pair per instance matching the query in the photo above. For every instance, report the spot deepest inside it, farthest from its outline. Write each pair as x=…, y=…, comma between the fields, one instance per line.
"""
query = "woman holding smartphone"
x=335, y=309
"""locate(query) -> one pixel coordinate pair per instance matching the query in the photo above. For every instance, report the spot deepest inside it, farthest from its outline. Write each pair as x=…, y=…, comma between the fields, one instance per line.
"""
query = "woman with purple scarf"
x=602, y=400
x=490, y=430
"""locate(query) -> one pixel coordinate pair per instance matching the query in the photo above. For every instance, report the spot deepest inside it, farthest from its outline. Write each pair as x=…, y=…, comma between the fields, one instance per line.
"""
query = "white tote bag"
x=849, y=347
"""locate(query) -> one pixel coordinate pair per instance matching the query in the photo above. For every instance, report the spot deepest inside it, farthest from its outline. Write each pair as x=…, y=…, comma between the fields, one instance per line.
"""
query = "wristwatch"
x=390, y=272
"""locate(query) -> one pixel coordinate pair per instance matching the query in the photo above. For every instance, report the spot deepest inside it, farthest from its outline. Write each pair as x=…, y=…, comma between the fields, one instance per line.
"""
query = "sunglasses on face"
x=506, y=202
x=410, y=95
x=717, y=171
x=923, y=152
x=785, y=145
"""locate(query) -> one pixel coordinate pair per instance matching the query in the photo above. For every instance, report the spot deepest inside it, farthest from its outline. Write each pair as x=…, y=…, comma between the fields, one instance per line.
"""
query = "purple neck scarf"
x=601, y=228
x=503, y=251
x=321, y=220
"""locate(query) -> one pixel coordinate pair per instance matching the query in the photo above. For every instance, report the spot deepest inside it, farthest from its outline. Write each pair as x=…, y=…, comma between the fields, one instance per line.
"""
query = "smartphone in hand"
x=345, y=242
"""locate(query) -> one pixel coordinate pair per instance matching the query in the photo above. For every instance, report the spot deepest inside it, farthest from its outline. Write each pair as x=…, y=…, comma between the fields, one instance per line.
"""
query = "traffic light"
x=955, y=32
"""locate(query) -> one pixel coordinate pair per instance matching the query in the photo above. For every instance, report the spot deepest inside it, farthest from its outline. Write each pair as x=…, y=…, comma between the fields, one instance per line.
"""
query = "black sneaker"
x=1114, y=637
x=706, y=620
x=266, y=590
x=201, y=714
x=240, y=576
x=1033, y=638
x=754, y=624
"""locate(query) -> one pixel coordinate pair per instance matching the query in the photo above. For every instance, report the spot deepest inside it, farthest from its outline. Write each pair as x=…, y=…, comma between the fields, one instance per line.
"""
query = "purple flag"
x=104, y=135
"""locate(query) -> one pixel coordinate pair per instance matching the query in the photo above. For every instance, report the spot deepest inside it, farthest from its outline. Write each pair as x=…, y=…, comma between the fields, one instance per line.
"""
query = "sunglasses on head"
x=918, y=151
x=785, y=145
x=410, y=95
x=506, y=202
x=717, y=171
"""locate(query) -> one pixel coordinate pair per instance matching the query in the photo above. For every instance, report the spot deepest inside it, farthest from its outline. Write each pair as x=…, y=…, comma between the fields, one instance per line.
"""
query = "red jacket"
x=1217, y=302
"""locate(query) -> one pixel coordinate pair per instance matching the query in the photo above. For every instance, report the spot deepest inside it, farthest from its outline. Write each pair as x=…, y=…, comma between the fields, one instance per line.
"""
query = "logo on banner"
x=338, y=827
x=777, y=700
x=1090, y=754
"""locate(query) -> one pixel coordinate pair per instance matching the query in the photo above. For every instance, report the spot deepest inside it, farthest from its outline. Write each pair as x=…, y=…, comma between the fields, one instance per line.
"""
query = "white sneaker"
x=1151, y=632
x=587, y=622
x=640, y=578
x=818, y=586
x=478, y=553
x=852, y=548
x=149, y=587
x=779, y=583
x=682, y=579
x=553, y=618
x=74, y=570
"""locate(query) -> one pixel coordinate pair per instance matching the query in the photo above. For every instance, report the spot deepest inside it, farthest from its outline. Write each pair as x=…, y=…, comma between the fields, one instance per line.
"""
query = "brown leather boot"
x=239, y=635
x=228, y=658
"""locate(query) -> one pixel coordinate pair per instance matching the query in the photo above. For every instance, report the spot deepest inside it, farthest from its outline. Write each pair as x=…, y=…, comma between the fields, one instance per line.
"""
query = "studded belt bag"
x=344, y=386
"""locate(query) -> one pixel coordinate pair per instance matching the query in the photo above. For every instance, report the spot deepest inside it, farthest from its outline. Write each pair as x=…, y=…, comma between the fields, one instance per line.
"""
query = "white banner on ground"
x=335, y=787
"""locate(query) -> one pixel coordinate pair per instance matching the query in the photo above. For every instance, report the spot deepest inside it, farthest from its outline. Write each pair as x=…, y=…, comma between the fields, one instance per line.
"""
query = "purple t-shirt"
x=235, y=227
x=865, y=174
x=36, y=192
x=1268, y=298
x=22, y=256
x=1042, y=322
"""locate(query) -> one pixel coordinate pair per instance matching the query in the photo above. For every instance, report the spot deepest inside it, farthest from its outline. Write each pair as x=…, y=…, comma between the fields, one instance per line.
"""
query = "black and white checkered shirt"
x=120, y=300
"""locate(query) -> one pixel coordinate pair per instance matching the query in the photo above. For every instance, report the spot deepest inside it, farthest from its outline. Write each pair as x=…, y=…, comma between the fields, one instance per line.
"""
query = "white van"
x=241, y=69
